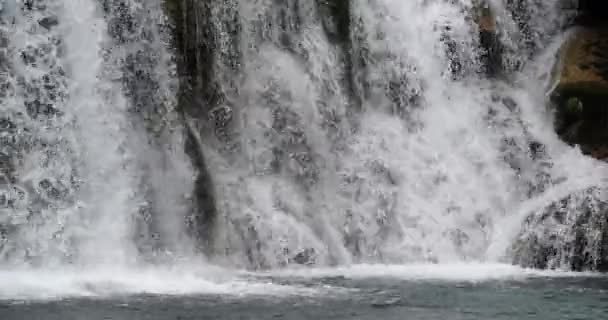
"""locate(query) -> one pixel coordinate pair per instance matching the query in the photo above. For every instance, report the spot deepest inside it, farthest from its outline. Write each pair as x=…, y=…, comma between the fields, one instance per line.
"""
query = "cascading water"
x=401, y=150
x=140, y=57
x=319, y=141
x=79, y=168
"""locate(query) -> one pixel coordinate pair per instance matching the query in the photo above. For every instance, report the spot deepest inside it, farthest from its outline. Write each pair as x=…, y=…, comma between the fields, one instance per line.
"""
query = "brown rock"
x=583, y=67
x=600, y=152
x=580, y=90
x=486, y=19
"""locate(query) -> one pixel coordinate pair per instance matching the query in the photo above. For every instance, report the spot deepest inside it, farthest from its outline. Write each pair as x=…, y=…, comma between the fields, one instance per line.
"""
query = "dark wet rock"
x=336, y=16
x=336, y=19
x=6, y=125
x=48, y=22
x=510, y=104
x=197, y=38
x=571, y=233
x=6, y=168
x=580, y=90
x=306, y=257
x=202, y=92
x=592, y=11
x=537, y=150
x=201, y=222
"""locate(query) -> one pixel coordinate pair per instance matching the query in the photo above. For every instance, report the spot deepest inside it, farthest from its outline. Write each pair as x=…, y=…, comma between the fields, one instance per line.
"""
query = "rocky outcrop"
x=580, y=90
x=571, y=234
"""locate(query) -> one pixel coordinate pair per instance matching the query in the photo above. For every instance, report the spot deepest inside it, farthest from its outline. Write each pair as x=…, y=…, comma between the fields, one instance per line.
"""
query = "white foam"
x=456, y=272
x=35, y=285
x=106, y=283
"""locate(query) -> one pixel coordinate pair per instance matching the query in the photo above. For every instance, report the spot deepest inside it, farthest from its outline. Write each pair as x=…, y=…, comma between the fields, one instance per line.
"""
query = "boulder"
x=580, y=89
x=570, y=234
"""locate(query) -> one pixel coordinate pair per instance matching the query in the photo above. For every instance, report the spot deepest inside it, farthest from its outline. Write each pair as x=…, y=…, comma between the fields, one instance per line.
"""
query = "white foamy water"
x=108, y=192
x=113, y=282
x=108, y=283
x=457, y=272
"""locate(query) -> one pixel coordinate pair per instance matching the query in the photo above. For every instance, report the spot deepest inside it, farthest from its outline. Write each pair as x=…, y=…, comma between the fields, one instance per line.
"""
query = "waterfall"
x=263, y=133
x=388, y=144
x=82, y=173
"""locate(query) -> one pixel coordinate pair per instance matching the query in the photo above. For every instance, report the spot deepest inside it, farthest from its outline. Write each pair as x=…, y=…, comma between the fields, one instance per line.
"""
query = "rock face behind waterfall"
x=580, y=90
x=202, y=94
x=571, y=233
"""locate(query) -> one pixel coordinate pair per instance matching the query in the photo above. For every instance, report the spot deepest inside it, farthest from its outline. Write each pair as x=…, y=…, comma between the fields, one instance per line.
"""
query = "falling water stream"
x=332, y=160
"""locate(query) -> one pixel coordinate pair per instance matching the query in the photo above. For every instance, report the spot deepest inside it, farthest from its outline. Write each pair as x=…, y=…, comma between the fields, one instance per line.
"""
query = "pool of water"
x=352, y=293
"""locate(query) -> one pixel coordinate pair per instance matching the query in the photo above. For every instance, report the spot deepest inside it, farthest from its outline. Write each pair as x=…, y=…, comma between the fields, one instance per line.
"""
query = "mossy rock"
x=582, y=70
x=580, y=89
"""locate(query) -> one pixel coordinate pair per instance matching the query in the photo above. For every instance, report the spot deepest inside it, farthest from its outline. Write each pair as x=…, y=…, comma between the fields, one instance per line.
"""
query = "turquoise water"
x=345, y=296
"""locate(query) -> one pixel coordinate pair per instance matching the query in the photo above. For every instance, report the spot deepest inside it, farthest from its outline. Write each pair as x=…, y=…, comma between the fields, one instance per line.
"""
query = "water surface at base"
x=366, y=292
